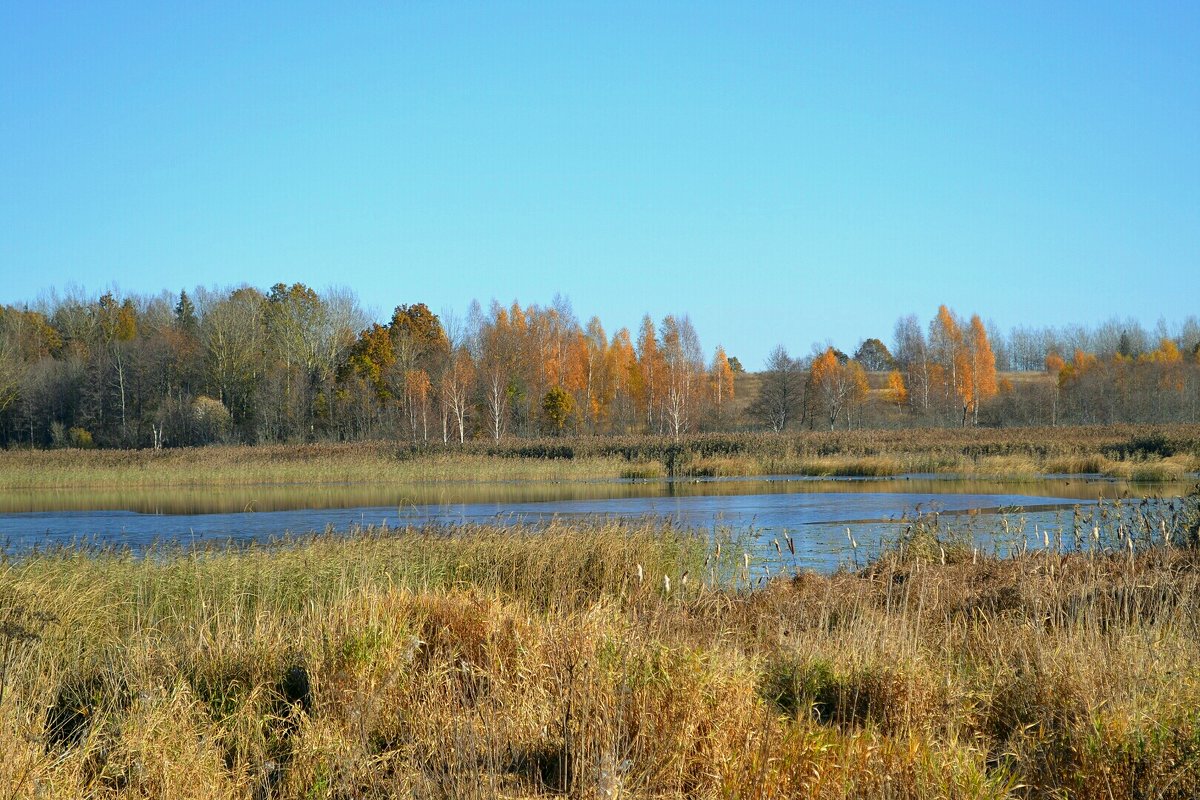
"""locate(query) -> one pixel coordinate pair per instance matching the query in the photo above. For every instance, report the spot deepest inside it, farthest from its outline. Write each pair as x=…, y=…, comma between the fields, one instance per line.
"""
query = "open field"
x=1144, y=453
x=601, y=660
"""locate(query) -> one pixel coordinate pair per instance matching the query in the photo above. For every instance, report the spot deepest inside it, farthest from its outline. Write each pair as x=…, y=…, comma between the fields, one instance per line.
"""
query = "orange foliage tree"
x=837, y=386
x=625, y=382
x=981, y=367
x=967, y=363
x=949, y=352
x=897, y=392
x=416, y=401
x=597, y=390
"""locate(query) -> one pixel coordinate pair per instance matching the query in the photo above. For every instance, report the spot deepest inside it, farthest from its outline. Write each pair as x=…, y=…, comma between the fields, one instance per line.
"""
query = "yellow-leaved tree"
x=721, y=381
x=598, y=389
x=982, y=366
x=897, y=392
x=836, y=386
x=949, y=353
x=417, y=388
x=1168, y=361
x=626, y=377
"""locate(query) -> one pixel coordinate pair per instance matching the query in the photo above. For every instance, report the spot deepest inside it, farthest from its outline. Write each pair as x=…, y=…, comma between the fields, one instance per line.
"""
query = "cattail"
x=850, y=539
x=778, y=549
x=791, y=544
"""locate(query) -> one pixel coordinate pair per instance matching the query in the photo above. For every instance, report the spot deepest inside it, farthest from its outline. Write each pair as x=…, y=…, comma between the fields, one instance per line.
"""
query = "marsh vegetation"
x=1131, y=452
x=606, y=660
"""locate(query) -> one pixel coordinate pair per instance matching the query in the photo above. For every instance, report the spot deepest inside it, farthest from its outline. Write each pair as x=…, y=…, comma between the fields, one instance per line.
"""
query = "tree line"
x=958, y=372
x=294, y=364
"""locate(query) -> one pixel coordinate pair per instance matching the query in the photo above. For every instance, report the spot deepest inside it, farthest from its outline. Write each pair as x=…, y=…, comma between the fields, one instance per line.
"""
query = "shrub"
x=80, y=438
x=212, y=420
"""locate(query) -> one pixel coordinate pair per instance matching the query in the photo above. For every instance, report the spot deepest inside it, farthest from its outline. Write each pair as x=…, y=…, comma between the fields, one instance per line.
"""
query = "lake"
x=815, y=513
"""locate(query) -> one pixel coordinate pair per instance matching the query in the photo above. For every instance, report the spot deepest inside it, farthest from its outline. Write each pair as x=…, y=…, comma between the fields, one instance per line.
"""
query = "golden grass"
x=1173, y=468
x=580, y=661
x=1131, y=452
x=281, y=464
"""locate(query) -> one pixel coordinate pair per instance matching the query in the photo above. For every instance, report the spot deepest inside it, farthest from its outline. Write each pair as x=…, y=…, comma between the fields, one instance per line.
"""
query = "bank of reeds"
x=602, y=660
x=1139, y=453
x=358, y=463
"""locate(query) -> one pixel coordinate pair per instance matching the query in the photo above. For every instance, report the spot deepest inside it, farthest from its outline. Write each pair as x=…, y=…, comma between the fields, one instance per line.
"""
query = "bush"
x=80, y=438
x=1140, y=448
x=212, y=420
x=847, y=699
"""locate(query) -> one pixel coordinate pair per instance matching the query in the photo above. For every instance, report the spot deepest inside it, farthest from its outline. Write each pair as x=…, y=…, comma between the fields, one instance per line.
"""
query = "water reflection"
x=822, y=517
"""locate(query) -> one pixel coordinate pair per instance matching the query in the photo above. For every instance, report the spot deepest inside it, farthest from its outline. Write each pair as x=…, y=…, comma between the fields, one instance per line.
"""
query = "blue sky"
x=782, y=172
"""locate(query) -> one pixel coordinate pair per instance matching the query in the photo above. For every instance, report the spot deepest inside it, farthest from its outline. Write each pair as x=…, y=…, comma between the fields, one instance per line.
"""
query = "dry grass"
x=579, y=661
x=1142, y=453
x=359, y=463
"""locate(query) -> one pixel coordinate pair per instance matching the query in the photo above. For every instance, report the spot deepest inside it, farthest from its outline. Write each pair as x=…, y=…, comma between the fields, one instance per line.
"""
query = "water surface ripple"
x=814, y=512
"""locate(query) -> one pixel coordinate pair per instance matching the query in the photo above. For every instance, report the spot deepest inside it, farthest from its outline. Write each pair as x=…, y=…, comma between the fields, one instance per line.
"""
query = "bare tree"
x=455, y=393
x=781, y=391
x=685, y=370
x=912, y=354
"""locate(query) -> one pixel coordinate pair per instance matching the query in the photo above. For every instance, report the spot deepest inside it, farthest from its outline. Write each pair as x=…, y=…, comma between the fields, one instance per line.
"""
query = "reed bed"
x=1139, y=453
x=359, y=463
x=604, y=660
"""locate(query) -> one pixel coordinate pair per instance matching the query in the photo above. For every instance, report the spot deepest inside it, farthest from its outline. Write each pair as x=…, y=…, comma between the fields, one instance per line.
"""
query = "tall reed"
x=595, y=659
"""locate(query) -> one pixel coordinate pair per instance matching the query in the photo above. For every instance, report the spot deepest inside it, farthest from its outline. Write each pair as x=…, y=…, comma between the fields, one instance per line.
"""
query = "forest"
x=292, y=364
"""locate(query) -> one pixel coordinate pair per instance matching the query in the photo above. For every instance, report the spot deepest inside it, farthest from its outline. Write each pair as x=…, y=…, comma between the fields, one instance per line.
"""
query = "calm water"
x=815, y=513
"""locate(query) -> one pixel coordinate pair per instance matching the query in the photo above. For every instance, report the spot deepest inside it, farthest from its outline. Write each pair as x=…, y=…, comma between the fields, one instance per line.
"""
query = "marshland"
x=1039, y=644
x=609, y=401
x=1146, y=453
x=608, y=659
x=817, y=483
x=1011, y=653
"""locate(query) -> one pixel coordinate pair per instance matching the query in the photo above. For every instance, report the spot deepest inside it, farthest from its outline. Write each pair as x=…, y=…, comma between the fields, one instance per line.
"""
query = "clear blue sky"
x=781, y=172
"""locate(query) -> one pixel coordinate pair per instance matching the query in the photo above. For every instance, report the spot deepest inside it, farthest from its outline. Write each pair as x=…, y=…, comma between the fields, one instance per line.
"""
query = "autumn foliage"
x=294, y=364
